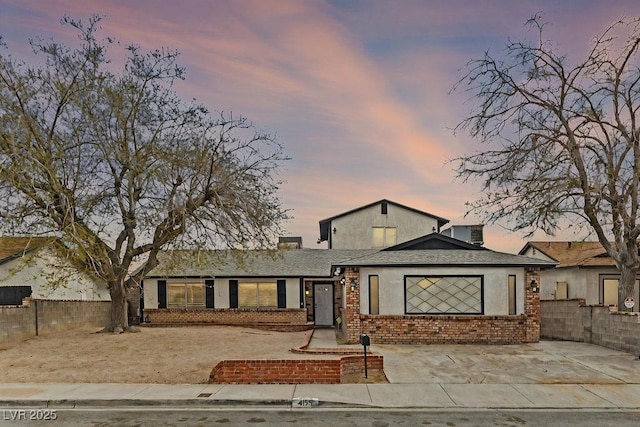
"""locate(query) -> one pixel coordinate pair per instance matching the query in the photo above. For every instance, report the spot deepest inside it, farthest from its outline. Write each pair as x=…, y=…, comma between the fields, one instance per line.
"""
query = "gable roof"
x=434, y=241
x=325, y=224
x=443, y=258
x=320, y=263
x=226, y=263
x=15, y=247
x=573, y=254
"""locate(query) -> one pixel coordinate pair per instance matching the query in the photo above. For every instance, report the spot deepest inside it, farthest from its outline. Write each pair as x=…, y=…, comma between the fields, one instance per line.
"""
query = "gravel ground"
x=182, y=355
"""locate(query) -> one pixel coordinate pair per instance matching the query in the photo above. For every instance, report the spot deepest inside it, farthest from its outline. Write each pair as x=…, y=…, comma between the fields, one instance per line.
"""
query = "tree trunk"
x=118, y=320
x=626, y=285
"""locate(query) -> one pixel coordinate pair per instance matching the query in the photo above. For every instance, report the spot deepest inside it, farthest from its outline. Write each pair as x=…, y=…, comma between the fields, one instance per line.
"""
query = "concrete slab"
x=354, y=394
x=36, y=391
x=561, y=396
x=262, y=392
x=103, y=392
x=623, y=395
x=486, y=396
x=174, y=391
x=409, y=396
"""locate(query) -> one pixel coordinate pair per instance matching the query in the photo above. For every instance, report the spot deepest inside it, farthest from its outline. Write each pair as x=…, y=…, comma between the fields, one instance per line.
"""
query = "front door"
x=323, y=304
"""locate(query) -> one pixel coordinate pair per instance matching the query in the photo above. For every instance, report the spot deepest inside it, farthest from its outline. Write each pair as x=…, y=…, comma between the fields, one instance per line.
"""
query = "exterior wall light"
x=534, y=286
x=353, y=284
x=334, y=230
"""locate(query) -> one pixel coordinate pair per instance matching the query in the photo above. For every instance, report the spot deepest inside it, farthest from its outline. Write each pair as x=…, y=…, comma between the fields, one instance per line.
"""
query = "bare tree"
x=563, y=140
x=118, y=167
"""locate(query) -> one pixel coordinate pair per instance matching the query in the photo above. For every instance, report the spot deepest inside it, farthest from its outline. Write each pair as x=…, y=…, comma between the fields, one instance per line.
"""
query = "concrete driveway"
x=546, y=362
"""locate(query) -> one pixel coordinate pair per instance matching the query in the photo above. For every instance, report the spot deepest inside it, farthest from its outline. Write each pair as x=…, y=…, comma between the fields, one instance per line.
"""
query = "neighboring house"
x=584, y=270
x=377, y=225
x=29, y=264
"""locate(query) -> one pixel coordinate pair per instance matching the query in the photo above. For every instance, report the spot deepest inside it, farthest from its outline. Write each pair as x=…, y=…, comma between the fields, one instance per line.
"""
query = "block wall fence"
x=39, y=317
x=573, y=320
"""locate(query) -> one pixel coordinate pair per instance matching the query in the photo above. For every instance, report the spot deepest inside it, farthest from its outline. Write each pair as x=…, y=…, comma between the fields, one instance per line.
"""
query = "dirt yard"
x=183, y=355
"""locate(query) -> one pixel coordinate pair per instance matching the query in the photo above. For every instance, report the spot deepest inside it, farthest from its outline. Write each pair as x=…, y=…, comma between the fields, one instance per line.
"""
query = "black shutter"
x=162, y=294
x=282, y=294
x=208, y=290
x=301, y=292
x=233, y=293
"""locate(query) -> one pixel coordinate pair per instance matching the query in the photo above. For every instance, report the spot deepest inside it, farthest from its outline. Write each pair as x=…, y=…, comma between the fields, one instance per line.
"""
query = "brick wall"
x=45, y=316
x=226, y=316
x=532, y=305
x=444, y=329
x=572, y=320
x=310, y=371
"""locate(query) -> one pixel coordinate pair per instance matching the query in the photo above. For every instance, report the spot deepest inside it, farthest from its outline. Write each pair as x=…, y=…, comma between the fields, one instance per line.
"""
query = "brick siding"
x=311, y=371
x=227, y=316
x=443, y=329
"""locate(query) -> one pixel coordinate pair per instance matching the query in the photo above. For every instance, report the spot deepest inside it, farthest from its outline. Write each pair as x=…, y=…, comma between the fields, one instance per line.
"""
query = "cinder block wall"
x=45, y=316
x=55, y=316
x=572, y=320
x=562, y=319
x=17, y=323
x=617, y=330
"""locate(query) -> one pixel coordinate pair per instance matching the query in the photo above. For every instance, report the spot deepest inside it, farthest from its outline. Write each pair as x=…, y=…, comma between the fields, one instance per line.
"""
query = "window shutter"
x=233, y=293
x=301, y=292
x=282, y=294
x=208, y=290
x=162, y=294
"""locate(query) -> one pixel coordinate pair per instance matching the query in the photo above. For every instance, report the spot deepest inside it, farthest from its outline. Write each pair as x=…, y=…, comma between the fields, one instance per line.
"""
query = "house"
x=29, y=267
x=377, y=225
x=424, y=289
x=584, y=270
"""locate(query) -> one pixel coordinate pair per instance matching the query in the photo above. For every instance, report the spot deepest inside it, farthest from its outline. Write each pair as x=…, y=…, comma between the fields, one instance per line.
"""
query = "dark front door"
x=323, y=304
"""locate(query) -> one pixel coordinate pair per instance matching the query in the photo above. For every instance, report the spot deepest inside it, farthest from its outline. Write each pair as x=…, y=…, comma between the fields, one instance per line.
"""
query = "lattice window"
x=443, y=295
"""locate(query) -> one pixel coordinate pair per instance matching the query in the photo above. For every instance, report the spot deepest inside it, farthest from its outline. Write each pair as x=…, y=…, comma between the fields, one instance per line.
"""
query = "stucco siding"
x=354, y=231
x=392, y=285
x=51, y=278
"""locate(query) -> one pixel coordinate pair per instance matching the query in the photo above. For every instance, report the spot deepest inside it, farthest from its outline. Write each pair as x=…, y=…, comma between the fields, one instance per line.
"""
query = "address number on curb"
x=304, y=402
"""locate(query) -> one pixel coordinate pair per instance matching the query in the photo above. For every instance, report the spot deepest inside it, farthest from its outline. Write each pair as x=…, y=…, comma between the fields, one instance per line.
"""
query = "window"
x=512, y=294
x=384, y=236
x=374, y=301
x=261, y=294
x=185, y=295
x=610, y=291
x=562, y=290
x=443, y=294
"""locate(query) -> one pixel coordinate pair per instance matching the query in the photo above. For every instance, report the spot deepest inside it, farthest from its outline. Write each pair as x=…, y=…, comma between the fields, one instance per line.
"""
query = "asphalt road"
x=322, y=417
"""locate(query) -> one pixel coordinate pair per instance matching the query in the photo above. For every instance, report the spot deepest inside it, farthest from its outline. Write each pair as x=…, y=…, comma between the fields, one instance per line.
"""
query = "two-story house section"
x=378, y=225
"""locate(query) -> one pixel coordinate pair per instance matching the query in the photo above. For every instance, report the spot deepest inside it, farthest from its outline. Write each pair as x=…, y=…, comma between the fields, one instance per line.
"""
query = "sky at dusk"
x=358, y=92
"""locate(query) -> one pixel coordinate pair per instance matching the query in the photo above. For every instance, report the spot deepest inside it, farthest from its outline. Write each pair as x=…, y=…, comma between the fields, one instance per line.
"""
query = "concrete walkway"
x=543, y=375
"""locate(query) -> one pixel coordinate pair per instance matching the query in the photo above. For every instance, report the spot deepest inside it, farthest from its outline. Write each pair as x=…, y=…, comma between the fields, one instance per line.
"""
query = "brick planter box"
x=311, y=371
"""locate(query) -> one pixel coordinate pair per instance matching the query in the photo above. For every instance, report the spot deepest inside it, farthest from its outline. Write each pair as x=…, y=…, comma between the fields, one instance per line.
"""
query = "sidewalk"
x=422, y=389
